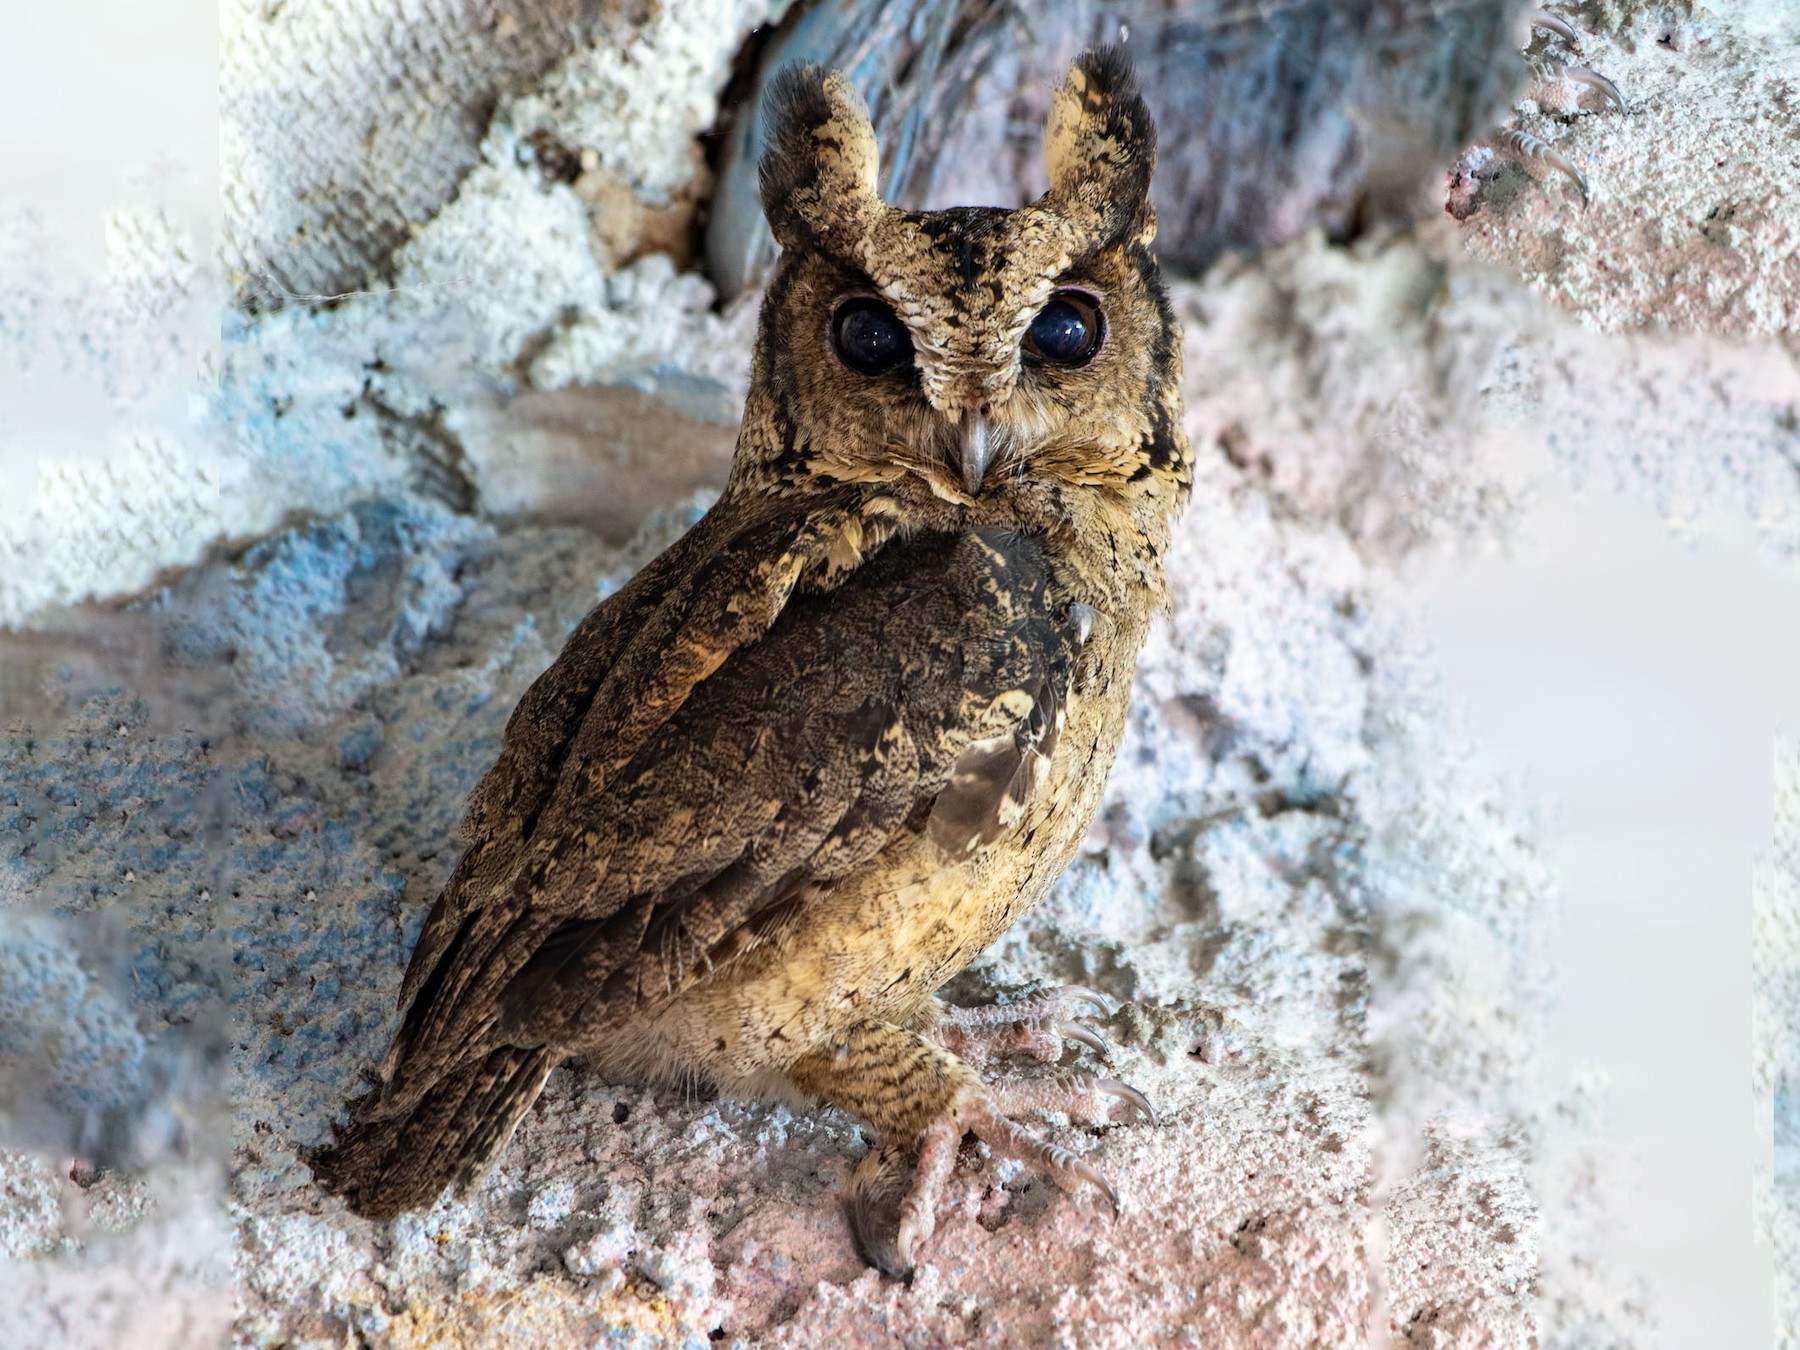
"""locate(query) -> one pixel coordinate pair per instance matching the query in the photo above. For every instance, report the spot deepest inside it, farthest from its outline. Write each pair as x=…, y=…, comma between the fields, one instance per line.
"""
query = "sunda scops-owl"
x=835, y=740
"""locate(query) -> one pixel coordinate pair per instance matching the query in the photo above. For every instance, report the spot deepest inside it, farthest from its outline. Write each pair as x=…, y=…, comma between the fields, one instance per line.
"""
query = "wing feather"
x=754, y=742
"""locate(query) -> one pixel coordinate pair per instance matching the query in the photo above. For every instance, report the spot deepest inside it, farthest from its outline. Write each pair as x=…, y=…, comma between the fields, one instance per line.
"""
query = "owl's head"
x=977, y=348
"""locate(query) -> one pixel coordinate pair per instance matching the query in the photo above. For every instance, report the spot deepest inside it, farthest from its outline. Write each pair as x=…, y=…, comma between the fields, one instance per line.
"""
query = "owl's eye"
x=1066, y=331
x=870, y=337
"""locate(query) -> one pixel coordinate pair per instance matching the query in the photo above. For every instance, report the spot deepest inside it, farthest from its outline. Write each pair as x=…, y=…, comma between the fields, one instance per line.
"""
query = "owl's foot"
x=1557, y=89
x=896, y=1191
x=1084, y=1099
x=1037, y=1026
x=1549, y=71
x=922, y=1100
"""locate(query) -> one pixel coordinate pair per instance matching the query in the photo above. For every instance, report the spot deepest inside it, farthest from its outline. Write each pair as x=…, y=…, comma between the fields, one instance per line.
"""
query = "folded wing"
x=737, y=758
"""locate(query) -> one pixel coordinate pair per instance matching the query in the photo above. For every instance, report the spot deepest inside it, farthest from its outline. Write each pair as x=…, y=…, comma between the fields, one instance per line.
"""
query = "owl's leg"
x=921, y=1100
x=1036, y=1026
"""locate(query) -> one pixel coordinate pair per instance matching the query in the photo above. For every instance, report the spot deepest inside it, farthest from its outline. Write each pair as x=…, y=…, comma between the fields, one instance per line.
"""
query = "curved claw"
x=1095, y=1177
x=1543, y=18
x=1005, y=1136
x=1086, y=1035
x=1593, y=79
x=1532, y=148
x=1105, y=1006
x=1112, y=1087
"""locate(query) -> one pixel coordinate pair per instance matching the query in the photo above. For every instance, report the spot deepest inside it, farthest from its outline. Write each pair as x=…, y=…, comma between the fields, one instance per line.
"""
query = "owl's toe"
x=1593, y=79
x=893, y=1207
x=1084, y=1035
x=1037, y=1026
x=898, y=1187
x=990, y=1123
x=1084, y=1100
x=1062, y=1002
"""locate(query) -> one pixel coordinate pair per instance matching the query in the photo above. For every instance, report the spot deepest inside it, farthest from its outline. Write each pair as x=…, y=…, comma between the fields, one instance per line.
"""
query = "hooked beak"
x=976, y=450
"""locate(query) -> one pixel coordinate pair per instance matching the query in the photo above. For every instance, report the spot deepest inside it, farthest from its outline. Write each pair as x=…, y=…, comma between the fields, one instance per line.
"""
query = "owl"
x=839, y=737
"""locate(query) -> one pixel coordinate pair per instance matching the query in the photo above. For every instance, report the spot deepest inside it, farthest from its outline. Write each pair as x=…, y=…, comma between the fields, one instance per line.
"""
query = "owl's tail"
x=383, y=1167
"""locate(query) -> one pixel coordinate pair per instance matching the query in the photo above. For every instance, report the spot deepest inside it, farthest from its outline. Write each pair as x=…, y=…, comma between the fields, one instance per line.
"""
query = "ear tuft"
x=1100, y=148
x=817, y=176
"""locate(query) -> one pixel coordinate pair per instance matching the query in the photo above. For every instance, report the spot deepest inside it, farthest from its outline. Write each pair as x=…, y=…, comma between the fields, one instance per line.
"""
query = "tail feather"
x=384, y=1167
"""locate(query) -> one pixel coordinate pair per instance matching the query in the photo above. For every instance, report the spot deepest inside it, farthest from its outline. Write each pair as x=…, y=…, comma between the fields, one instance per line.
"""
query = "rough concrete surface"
x=1777, y=1013
x=227, y=800
x=1690, y=224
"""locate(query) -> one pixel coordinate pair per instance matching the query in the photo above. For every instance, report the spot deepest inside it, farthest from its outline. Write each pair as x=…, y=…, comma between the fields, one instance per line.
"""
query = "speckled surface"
x=1275, y=832
x=1687, y=227
x=1776, y=973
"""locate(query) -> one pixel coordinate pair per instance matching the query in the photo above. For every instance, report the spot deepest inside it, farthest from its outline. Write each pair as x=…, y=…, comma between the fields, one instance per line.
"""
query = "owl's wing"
x=505, y=806
x=626, y=666
x=923, y=691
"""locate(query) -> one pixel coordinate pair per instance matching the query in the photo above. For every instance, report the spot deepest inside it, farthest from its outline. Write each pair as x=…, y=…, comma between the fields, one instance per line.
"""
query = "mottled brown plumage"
x=833, y=742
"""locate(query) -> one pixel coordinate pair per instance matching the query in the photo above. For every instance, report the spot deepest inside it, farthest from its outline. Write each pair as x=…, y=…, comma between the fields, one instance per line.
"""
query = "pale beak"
x=977, y=450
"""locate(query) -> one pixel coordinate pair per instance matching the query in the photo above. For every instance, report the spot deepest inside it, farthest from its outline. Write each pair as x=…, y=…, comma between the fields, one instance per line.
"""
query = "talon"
x=1095, y=1177
x=1593, y=79
x=918, y=1209
x=1106, y=1007
x=1093, y=1040
x=1550, y=23
x=1112, y=1087
x=1533, y=148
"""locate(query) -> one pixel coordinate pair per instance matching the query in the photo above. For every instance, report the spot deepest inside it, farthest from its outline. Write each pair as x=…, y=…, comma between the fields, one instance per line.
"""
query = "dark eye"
x=1067, y=331
x=870, y=337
